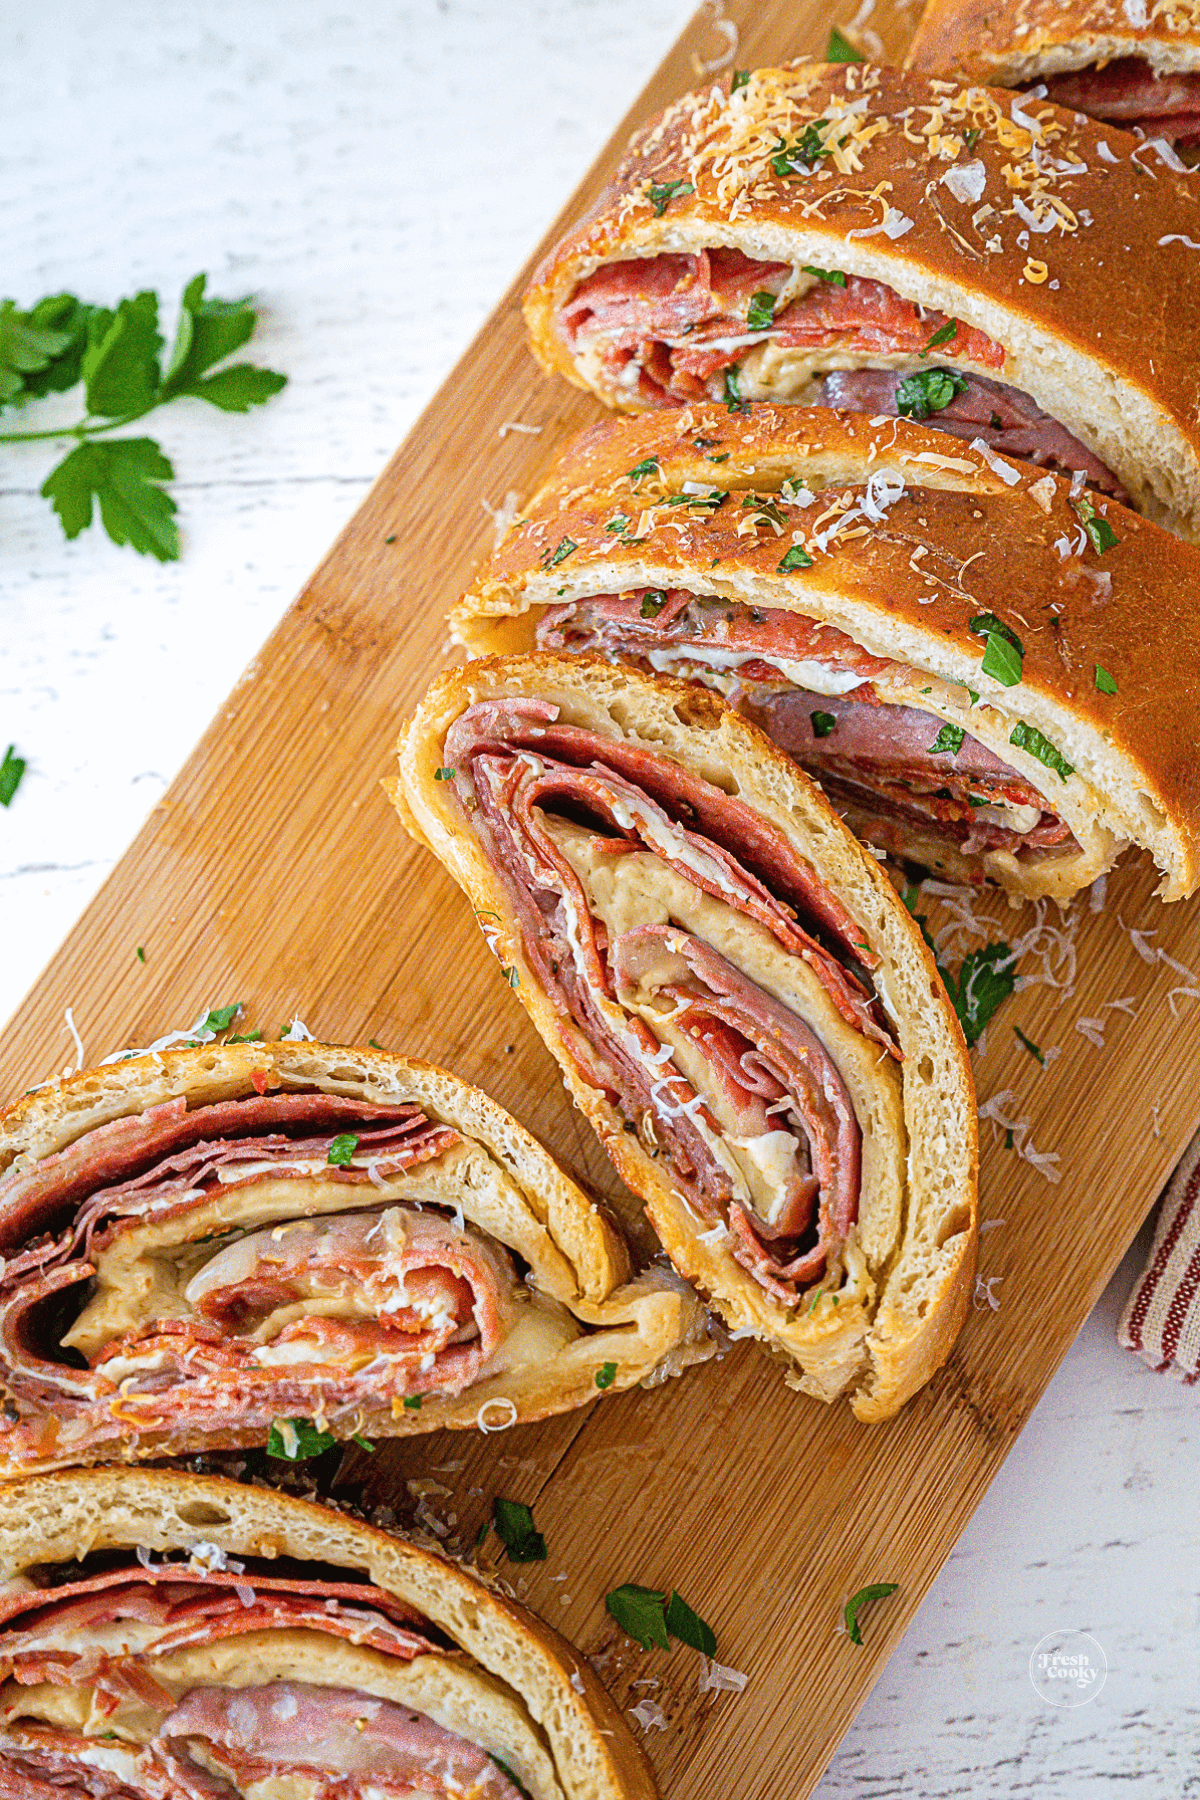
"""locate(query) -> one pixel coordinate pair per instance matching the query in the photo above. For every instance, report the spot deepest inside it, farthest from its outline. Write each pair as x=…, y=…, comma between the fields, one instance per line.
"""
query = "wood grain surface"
x=274, y=872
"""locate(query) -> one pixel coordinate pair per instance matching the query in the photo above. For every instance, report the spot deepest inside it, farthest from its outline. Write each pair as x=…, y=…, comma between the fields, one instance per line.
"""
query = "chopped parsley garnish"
x=140, y=954
x=560, y=553
x=986, y=977
x=763, y=509
x=928, y=391
x=1030, y=739
x=618, y=524
x=1100, y=534
x=878, y=1590
x=822, y=723
x=761, y=311
x=512, y=977
x=11, y=771
x=504, y=1768
x=1105, y=683
x=606, y=1374
x=972, y=137
x=648, y=1616
x=733, y=393
x=942, y=335
x=640, y=470
x=833, y=276
x=515, y=1529
x=796, y=558
x=341, y=1150
x=797, y=158
x=724, y=457
x=375, y=1043
x=652, y=603
x=1003, y=653
x=245, y=1037
x=948, y=741
x=222, y=1017
x=444, y=774
x=295, y=1440
x=741, y=79
x=363, y=1443
x=661, y=194
x=1034, y=1051
x=701, y=502
x=412, y=1402
x=839, y=49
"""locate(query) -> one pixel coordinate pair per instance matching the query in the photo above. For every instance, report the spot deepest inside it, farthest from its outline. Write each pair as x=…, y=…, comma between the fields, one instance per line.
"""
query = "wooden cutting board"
x=274, y=872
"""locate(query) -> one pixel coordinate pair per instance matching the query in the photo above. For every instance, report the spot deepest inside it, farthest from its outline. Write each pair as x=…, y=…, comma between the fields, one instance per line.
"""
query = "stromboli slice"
x=739, y=1003
x=1133, y=65
x=823, y=235
x=204, y=1241
x=168, y=1635
x=1080, y=740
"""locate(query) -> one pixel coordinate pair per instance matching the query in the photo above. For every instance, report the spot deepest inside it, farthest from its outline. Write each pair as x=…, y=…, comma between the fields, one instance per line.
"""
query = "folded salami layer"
x=823, y=235
x=177, y=1637
x=1133, y=65
x=983, y=666
x=738, y=1000
x=203, y=1245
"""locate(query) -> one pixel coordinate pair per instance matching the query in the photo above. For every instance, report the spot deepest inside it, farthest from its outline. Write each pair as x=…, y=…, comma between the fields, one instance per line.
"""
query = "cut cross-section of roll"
x=985, y=667
x=1123, y=62
x=203, y=1244
x=179, y=1637
x=738, y=1000
x=823, y=235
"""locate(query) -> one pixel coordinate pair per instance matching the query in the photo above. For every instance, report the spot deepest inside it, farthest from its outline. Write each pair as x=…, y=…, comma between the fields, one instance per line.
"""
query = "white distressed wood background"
x=374, y=174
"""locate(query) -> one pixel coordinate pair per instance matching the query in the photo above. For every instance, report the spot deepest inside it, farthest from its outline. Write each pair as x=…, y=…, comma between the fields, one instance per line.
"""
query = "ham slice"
x=1128, y=92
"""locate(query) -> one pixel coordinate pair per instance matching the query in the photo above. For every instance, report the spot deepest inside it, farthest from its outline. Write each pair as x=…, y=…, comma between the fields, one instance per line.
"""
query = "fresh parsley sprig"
x=648, y=1616
x=116, y=354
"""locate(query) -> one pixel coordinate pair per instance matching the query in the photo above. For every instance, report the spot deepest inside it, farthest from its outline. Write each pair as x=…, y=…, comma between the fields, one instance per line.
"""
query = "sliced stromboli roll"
x=981, y=663
x=739, y=1003
x=178, y=1637
x=822, y=234
x=203, y=1243
x=1132, y=63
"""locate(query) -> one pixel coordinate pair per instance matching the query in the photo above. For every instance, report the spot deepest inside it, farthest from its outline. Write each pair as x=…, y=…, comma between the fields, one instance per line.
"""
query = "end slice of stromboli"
x=821, y=235
x=841, y=580
x=739, y=1002
x=165, y=1634
x=201, y=1245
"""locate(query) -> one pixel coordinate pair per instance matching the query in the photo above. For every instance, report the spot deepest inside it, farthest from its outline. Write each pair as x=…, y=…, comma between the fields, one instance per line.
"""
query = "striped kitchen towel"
x=1161, y=1321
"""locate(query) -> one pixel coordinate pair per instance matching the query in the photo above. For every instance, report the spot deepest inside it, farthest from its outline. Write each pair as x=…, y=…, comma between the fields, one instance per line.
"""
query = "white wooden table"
x=375, y=174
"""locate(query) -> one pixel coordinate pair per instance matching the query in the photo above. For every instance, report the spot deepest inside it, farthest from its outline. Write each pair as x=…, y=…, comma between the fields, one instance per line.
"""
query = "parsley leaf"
x=444, y=774
x=363, y=1443
x=412, y=1402
x=879, y=1590
x=1003, y=652
x=972, y=137
x=689, y=1627
x=27, y=347
x=208, y=332
x=833, y=276
x=295, y=1440
x=796, y=558
x=661, y=194
x=928, y=391
x=606, y=1374
x=640, y=470
x=1105, y=683
x=798, y=158
x=140, y=954
x=761, y=310
x=120, y=365
x=948, y=741
x=515, y=1529
x=942, y=335
x=1034, y=1051
x=741, y=79
x=1028, y=738
x=641, y=1612
x=653, y=602
x=342, y=1148
x=504, y=1768
x=1100, y=534
x=124, y=476
x=733, y=393
x=11, y=771
x=243, y=1037
x=986, y=978
x=560, y=553
x=822, y=724
x=220, y=1018
x=839, y=49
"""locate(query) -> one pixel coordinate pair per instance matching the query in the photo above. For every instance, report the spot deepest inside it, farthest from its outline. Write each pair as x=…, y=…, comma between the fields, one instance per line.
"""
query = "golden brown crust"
x=1002, y=41
x=66, y=1516
x=961, y=541
x=1041, y=271
x=928, y=1278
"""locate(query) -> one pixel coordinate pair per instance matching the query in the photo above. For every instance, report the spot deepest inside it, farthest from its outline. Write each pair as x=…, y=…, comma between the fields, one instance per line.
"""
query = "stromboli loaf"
x=739, y=1003
x=1134, y=62
x=298, y=1230
x=982, y=231
x=897, y=574
x=204, y=1628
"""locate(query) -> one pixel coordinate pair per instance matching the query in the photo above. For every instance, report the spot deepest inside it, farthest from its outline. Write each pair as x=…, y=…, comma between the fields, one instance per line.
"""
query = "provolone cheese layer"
x=207, y=1679
x=287, y=1255
x=719, y=325
x=707, y=983
x=882, y=738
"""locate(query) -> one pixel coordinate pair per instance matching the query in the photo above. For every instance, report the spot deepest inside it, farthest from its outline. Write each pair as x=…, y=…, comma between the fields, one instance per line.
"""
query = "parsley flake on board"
x=1038, y=1054
x=928, y=391
x=140, y=954
x=985, y=978
x=248, y=1037
x=822, y=724
x=1105, y=683
x=761, y=311
x=649, y=1618
x=363, y=1443
x=11, y=771
x=661, y=194
x=295, y=1440
x=1029, y=739
x=341, y=1150
x=606, y=1374
x=1003, y=653
x=948, y=741
x=833, y=276
x=796, y=558
x=1100, y=534
x=878, y=1590
x=116, y=354
x=515, y=1529
x=689, y=1627
x=942, y=335
x=839, y=49
x=221, y=1017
